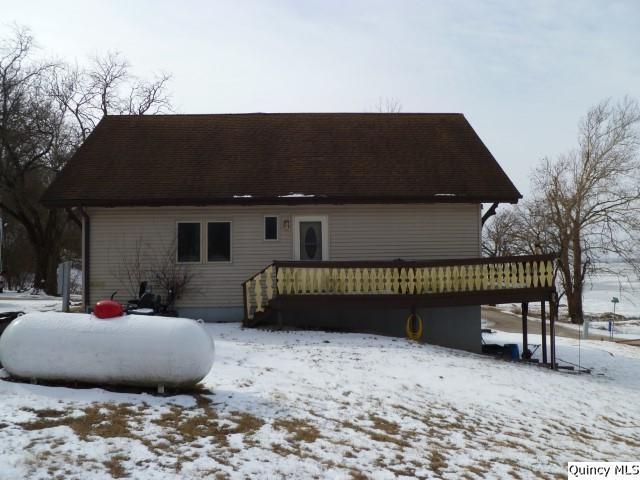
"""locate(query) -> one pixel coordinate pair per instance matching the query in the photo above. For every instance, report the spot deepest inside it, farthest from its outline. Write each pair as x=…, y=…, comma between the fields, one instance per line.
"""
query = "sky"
x=522, y=72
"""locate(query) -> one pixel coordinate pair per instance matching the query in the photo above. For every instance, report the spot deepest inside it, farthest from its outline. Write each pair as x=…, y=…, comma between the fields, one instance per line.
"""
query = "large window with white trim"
x=188, y=242
x=218, y=241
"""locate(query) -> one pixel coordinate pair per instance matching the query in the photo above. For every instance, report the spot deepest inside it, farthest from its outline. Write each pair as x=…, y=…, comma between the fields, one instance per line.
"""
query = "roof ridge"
x=284, y=114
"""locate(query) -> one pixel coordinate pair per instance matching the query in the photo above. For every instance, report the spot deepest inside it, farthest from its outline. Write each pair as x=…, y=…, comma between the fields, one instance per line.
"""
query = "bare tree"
x=106, y=87
x=33, y=141
x=47, y=109
x=586, y=204
x=18, y=257
x=388, y=105
x=172, y=277
x=156, y=266
x=499, y=234
x=129, y=270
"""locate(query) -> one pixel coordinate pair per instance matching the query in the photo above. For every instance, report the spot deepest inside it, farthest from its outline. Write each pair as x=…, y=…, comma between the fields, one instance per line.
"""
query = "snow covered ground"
x=25, y=302
x=328, y=405
x=603, y=287
x=629, y=329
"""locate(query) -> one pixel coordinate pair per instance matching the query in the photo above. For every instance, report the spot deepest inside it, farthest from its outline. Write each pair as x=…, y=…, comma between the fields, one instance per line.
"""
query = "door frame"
x=324, y=225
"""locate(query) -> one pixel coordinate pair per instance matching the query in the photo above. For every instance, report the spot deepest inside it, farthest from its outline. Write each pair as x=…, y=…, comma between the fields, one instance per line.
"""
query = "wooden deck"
x=401, y=284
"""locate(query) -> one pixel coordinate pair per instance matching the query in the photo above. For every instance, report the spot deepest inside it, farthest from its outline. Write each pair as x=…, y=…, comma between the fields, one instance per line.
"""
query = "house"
x=234, y=193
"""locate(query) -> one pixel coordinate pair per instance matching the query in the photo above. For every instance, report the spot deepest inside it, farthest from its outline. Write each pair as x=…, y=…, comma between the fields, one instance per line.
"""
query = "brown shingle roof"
x=264, y=158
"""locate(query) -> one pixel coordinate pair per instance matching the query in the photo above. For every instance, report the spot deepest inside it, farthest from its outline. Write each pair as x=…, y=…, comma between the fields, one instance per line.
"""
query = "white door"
x=310, y=238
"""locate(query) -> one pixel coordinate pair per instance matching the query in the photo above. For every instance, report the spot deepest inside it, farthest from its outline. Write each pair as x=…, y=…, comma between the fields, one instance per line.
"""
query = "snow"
x=629, y=329
x=602, y=357
x=445, y=195
x=130, y=349
x=603, y=287
x=296, y=195
x=27, y=302
x=312, y=404
x=243, y=196
x=141, y=311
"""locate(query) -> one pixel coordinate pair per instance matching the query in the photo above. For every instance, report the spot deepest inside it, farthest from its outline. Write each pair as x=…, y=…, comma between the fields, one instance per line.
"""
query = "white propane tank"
x=128, y=350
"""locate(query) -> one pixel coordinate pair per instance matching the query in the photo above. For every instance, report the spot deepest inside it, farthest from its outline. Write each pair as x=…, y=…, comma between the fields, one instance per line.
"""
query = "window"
x=271, y=228
x=188, y=242
x=219, y=241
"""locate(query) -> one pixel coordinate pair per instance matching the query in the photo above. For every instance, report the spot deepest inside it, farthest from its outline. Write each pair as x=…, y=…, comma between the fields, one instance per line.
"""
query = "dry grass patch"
x=47, y=412
x=357, y=475
x=299, y=430
x=180, y=428
x=386, y=426
x=404, y=471
x=103, y=420
x=192, y=427
x=479, y=468
x=246, y=423
x=282, y=450
x=215, y=474
x=437, y=462
x=114, y=466
x=377, y=435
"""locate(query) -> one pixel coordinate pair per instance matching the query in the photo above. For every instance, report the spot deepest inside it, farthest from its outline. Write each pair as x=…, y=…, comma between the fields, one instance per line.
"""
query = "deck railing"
x=396, y=278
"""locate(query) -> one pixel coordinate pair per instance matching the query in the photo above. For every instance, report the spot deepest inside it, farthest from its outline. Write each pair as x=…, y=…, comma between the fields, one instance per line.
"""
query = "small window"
x=270, y=228
x=188, y=242
x=219, y=242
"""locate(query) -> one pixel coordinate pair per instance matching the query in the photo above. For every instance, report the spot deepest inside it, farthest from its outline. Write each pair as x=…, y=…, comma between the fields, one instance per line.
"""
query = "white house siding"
x=356, y=232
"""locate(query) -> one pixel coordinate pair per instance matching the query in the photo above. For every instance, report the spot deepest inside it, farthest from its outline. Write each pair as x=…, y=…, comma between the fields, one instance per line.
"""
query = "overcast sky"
x=522, y=72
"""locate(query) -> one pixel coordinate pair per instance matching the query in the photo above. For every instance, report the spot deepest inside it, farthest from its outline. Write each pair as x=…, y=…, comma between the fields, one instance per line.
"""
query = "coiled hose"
x=411, y=333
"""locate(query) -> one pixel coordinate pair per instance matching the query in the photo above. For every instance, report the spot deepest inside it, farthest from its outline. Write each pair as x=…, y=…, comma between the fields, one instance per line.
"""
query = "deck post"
x=543, y=328
x=525, y=339
x=245, y=320
x=552, y=333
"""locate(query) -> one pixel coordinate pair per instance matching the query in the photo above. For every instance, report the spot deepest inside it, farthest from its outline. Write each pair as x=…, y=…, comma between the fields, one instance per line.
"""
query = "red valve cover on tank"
x=107, y=309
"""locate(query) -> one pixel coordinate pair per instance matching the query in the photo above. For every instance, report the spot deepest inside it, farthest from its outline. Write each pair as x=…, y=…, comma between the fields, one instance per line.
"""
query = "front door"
x=311, y=238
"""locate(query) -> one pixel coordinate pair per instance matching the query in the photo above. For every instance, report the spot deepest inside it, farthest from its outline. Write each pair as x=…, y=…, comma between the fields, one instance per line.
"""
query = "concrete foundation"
x=456, y=327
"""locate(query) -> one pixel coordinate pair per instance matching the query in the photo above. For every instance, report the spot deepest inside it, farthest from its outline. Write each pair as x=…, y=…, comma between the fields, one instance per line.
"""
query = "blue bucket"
x=512, y=351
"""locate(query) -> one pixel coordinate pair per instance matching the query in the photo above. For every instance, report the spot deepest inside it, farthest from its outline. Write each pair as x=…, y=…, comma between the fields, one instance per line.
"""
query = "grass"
x=190, y=426
x=114, y=465
x=102, y=420
x=246, y=423
x=437, y=462
x=378, y=435
x=386, y=426
x=181, y=435
x=182, y=430
x=299, y=430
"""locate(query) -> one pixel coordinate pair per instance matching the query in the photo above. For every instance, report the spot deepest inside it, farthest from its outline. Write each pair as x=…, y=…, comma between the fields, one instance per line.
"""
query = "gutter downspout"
x=86, y=264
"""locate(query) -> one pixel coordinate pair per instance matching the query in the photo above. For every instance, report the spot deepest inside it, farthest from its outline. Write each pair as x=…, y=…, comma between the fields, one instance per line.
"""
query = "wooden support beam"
x=245, y=320
x=490, y=213
x=525, y=338
x=543, y=328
